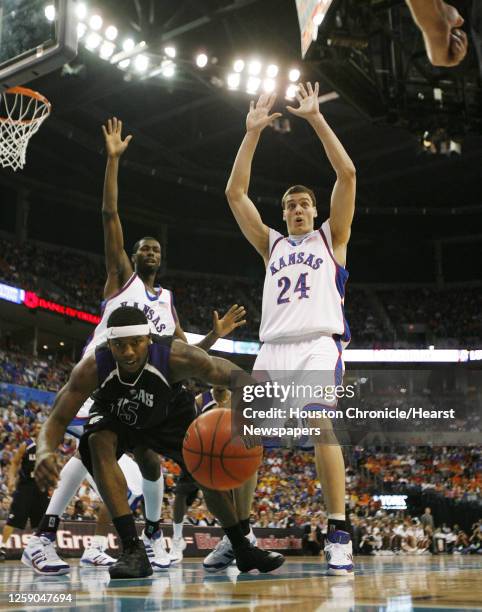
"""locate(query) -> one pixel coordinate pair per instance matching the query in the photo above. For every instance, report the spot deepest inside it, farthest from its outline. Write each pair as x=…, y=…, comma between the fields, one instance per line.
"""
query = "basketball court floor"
x=381, y=584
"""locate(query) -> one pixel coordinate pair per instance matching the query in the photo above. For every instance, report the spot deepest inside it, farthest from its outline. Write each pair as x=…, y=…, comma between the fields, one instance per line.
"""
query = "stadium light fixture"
x=238, y=65
x=294, y=75
x=201, y=60
x=128, y=45
x=291, y=91
x=253, y=84
x=93, y=40
x=141, y=63
x=254, y=67
x=168, y=69
x=50, y=12
x=111, y=32
x=170, y=52
x=233, y=80
x=272, y=71
x=81, y=10
x=269, y=85
x=95, y=22
x=106, y=50
x=124, y=64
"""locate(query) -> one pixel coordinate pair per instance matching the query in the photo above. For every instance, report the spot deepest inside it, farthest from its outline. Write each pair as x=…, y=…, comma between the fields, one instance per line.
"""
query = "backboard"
x=36, y=37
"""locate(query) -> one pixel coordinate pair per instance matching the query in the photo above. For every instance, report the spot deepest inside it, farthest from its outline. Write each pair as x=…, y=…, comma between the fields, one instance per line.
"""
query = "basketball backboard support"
x=36, y=37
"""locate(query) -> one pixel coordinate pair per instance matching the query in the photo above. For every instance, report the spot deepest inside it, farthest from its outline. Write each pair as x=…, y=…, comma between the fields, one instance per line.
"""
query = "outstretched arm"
x=82, y=382
x=244, y=211
x=440, y=24
x=342, y=206
x=118, y=265
x=221, y=327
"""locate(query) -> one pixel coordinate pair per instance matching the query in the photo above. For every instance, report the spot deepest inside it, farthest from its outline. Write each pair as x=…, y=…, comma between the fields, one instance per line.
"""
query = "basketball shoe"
x=177, y=548
x=41, y=556
x=95, y=555
x=223, y=555
x=156, y=551
x=339, y=553
x=249, y=557
x=133, y=562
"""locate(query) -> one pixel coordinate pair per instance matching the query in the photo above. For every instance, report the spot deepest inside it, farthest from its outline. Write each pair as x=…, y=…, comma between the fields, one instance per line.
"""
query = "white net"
x=22, y=112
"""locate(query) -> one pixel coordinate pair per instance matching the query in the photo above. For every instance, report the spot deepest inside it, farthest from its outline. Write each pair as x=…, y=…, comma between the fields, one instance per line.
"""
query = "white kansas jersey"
x=158, y=308
x=304, y=289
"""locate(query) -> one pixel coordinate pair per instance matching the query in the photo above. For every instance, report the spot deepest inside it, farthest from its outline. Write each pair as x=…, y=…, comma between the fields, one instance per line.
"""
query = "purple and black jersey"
x=27, y=466
x=143, y=403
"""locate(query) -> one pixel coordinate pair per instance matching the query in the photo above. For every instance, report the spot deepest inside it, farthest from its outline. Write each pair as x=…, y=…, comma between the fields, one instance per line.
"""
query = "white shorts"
x=323, y=354
x=76, y=426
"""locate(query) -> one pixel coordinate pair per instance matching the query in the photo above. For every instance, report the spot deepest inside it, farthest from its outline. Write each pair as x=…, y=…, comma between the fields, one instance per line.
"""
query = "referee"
x=28, y=502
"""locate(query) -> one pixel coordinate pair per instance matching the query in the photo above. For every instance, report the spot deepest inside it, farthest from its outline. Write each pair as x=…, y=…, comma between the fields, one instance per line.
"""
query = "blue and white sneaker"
x=156, y=551
x=222, y=555
x=339, y=553
x=41, y=556
x=95, y=556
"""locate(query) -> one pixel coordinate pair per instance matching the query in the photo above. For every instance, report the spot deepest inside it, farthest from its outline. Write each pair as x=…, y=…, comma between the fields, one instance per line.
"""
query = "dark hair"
x=298, y=189
x=126, y=315
x=138, y=243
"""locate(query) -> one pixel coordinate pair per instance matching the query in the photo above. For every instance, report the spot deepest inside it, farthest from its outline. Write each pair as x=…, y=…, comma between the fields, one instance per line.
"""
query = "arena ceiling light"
x=81, y=10
x=254, y=67
x=124, y=64
x=294, y=75
x=201, y=60
x=106, y=50
x=272, y=71
x=50, y=12
x=252, y=84
x=111, y=32
x=168, y=69
x=95, y=22
x=233, y=80
x=269, y=85
x=238, y=65
x=141, y=63
x=93, y=40
x=291, y=91
x=170, y=52
x=128, y=45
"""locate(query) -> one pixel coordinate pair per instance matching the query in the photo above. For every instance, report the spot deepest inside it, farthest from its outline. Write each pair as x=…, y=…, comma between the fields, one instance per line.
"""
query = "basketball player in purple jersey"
x=303, y=325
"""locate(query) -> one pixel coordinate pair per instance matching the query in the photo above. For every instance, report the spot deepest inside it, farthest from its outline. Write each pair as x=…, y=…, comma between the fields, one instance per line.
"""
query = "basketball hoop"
x=22, y=112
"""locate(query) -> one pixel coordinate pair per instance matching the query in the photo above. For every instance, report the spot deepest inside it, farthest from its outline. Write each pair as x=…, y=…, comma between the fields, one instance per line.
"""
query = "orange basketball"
x=214, y=459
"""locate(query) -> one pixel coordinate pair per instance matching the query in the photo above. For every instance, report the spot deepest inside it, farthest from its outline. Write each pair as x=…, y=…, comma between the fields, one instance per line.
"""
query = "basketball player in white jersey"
x=303, y=325
x=130, y=282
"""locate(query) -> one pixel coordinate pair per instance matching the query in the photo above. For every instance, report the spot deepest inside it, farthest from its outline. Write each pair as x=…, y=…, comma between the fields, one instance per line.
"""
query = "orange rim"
x=30, y=93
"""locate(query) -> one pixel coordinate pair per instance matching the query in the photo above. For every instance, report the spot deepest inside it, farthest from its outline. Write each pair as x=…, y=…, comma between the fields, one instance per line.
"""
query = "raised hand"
x=232, y=319
x=258, y=117
x=114, y=144
x=308, y=98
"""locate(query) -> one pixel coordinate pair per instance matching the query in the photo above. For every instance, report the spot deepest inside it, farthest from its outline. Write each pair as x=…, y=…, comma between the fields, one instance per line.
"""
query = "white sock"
x=177, y=530
x=71, y=477
x=337, y=517
x=153, y=491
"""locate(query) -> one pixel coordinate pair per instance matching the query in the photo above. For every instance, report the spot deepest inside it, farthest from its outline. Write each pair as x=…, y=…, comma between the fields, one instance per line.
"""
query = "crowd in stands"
x=390, y=318
x=288, y=492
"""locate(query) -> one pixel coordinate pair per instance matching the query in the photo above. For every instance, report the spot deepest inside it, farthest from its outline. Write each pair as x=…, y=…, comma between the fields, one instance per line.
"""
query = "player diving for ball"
x=130, y=281
x=303, y=327
x=133, y=379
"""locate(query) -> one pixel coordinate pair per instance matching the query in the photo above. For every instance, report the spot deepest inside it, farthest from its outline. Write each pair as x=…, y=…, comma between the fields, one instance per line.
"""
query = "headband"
x=128, y=330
